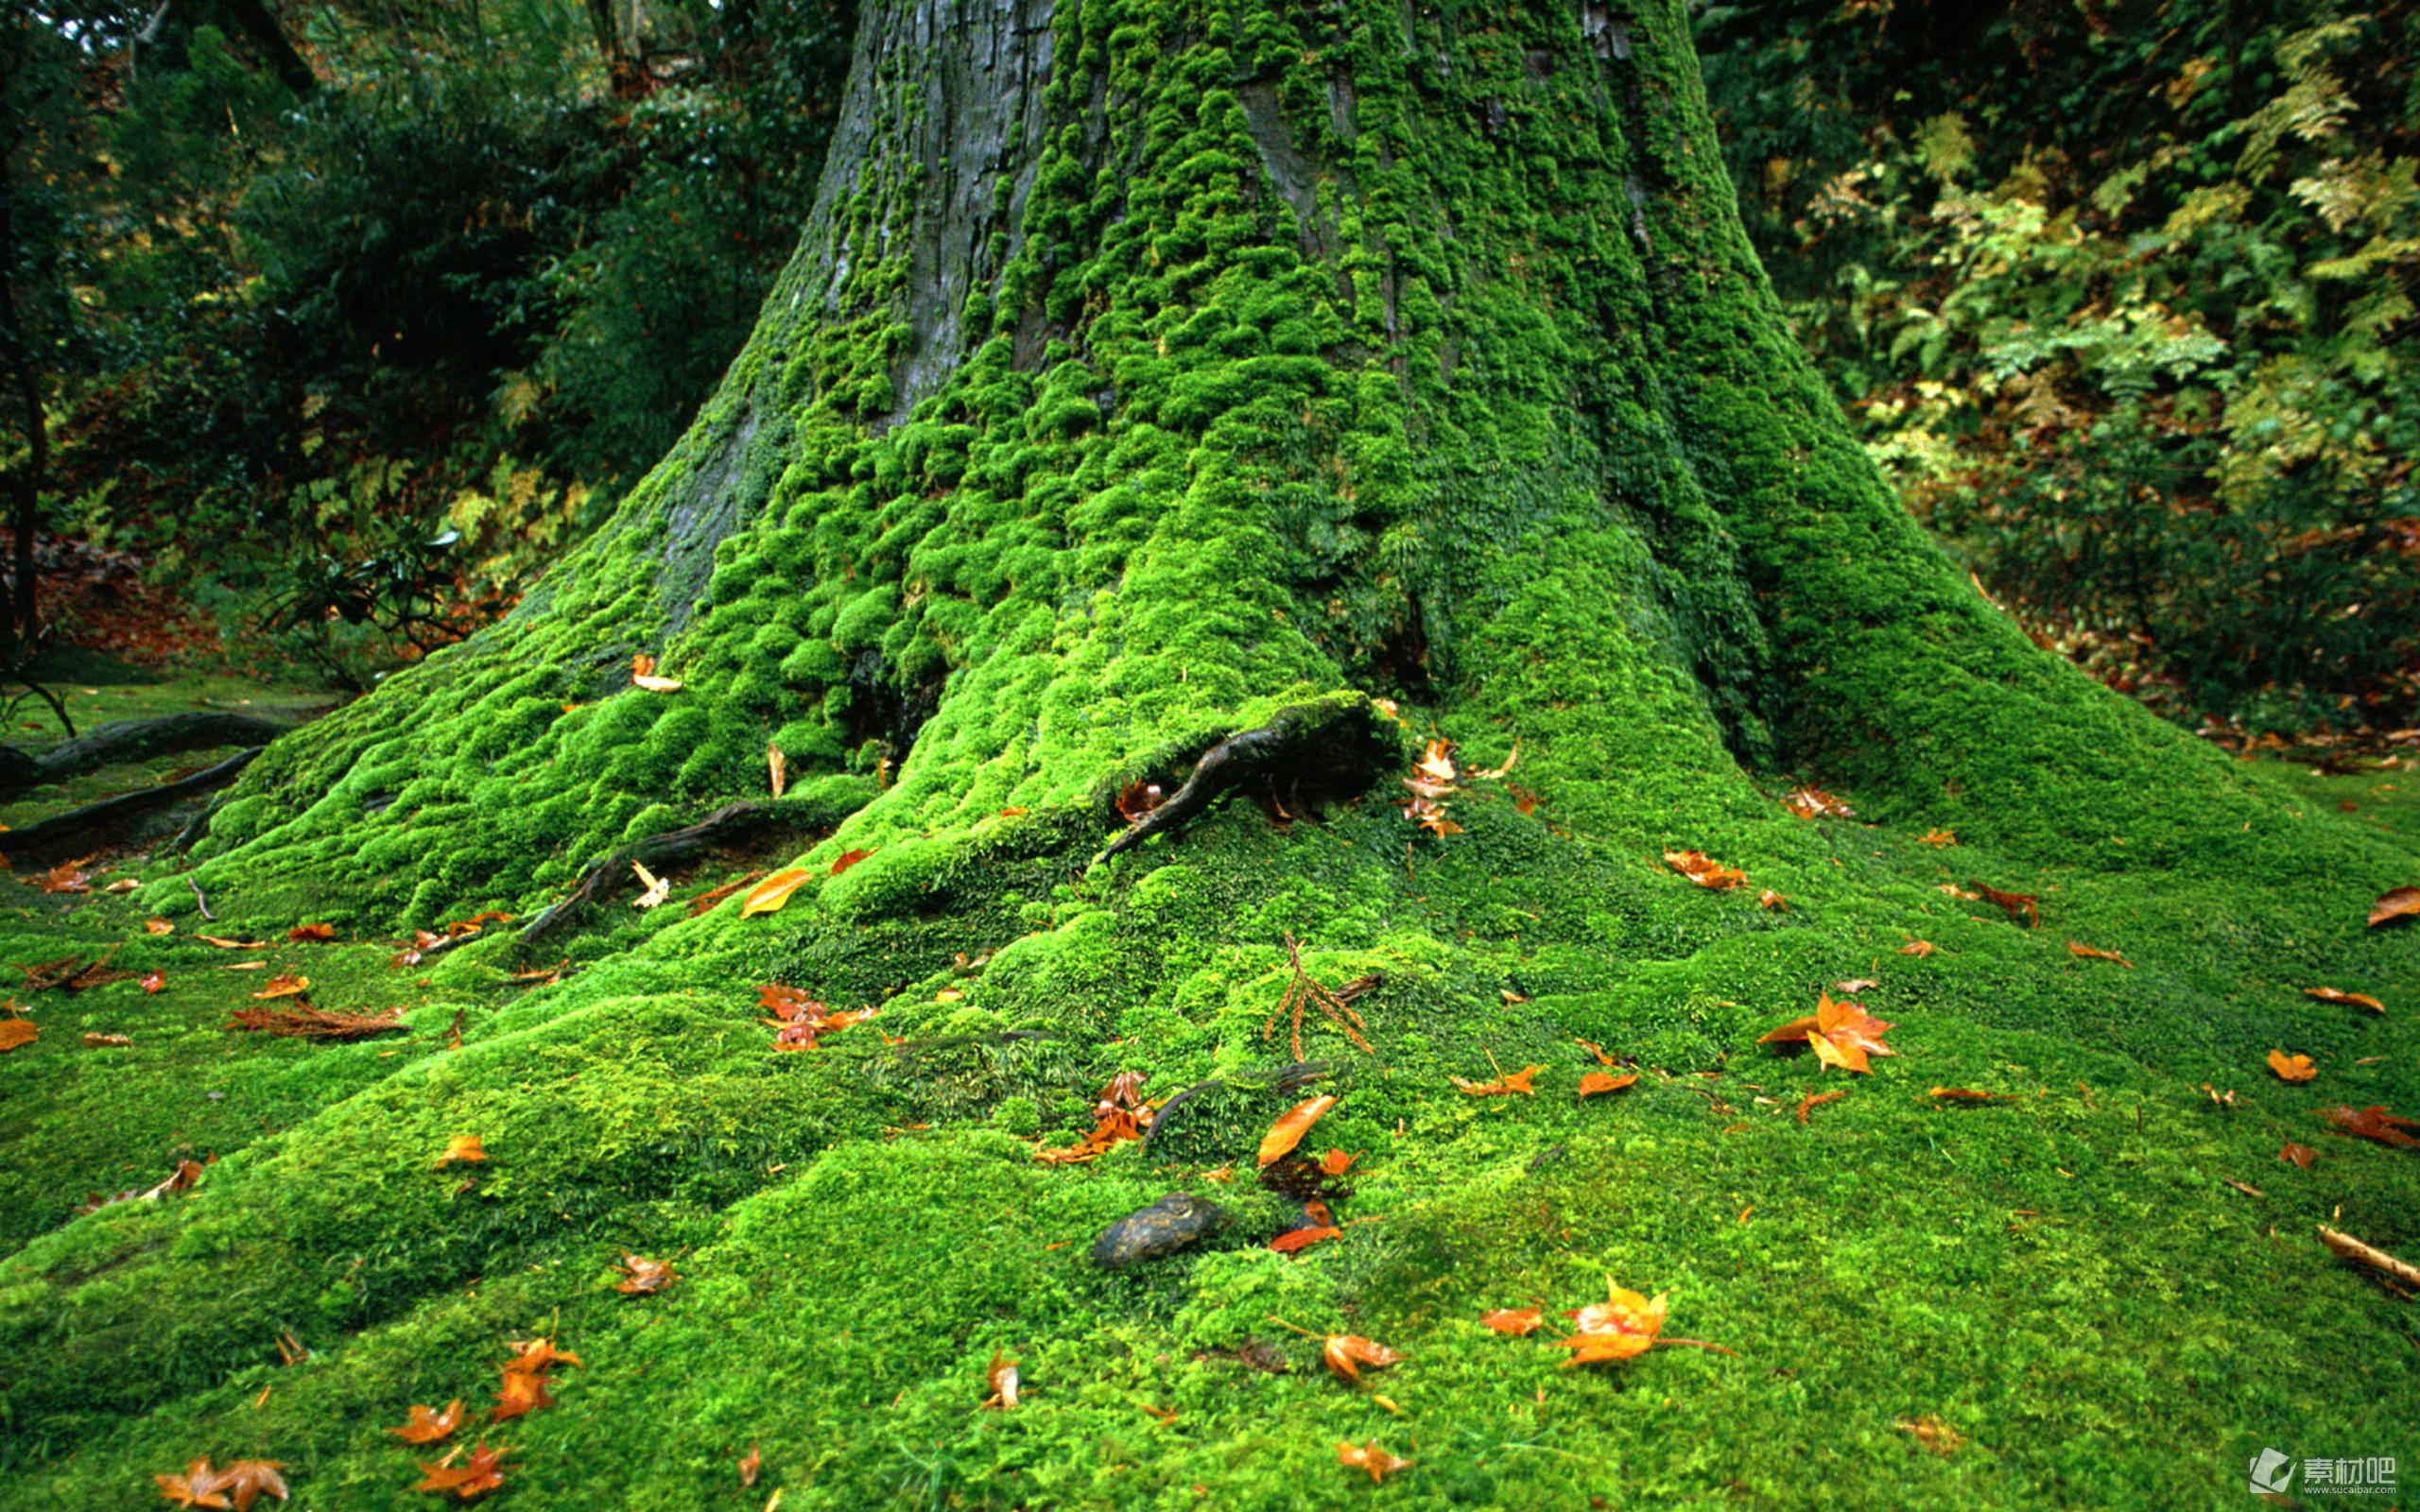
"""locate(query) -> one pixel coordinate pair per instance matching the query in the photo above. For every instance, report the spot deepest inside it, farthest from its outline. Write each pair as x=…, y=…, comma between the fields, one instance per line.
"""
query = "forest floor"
x=2098, y=1288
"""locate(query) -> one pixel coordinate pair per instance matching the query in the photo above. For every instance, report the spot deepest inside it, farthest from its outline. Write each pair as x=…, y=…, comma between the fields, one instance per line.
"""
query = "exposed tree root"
x=727, y=825
x=1314, y=752
x=80, y=828
x=136, y=740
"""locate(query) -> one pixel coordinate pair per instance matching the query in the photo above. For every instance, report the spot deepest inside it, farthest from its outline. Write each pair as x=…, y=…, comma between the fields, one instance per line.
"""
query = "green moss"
x=1270, y=414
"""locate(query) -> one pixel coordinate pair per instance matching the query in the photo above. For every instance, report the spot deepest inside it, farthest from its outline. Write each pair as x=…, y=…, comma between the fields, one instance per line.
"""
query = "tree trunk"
x=1284, y=384
x=1139, y=374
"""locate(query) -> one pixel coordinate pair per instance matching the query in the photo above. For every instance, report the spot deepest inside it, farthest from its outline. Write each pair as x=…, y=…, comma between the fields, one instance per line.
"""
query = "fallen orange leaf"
x=2393, y=904
x=1842, y=1033
x=482, y=1474
x=1336, y=1162
x=1345, y=1353
x=2021, y=907
x=2373, y=1122
x=426, y=1425
x=100, y=1042
x=15, y=1032
x=1604, y=1081
x=847, y=859
x=1372, y=1458
x=284, y=986
x=250, y=1479
x=1938, y=837
x=1815, y=1100
x=1623, y=1325
x=522, y=1391
x=308, y=932
x=1504, y=1085
x=1771, y=899
x=1290, y=1128
x=1300, y=1239
x=155, y=981
x=1704, y=869
x=1516, y=1321
x=645, y=1276
x=2291, y=1068
x=1918, y=948
x=2094, y=953
x=463, y=1147
x=2330, y=994
x=748, y=1465
x=2301, y=1155
x=158, y=926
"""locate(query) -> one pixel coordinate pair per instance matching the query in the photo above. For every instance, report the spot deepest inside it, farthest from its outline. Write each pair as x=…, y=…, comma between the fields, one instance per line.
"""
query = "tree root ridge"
x=1323, y=751
x=730, y=823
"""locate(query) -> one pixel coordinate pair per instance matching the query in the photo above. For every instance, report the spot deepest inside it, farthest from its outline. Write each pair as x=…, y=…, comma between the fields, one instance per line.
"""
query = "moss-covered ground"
x=2065, y=1279
x=1403, y=351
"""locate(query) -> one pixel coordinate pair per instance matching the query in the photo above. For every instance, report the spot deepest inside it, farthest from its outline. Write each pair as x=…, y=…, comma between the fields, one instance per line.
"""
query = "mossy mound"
x=2062, y=1279
x=1291, y=361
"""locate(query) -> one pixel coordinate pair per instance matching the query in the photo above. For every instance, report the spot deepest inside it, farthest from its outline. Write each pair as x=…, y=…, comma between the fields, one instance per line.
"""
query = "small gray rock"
x=1162, y=1228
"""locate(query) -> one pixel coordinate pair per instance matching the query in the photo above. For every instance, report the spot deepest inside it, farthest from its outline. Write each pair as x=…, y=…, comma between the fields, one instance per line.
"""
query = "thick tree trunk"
x=1145, y=369
x=1242, y=393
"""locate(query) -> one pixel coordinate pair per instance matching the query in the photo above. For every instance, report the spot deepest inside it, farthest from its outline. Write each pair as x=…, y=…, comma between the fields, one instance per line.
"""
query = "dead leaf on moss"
x=2330, y=994
x=1003, y=1380
x=2291, y=1068
x=483, y=1472
x=1918, y=948
x=1345, y=1353
x=307, y=1023
x=1705, y=870
x=1938, y=837
x=1933, y=1433
x=658, y=889
x=426, y=1425
x=2393, y=906
x=1604, y=1081
x=2373, y=1122
x=92, y=1041
x=1295, y=1240
x=643, y=1275
x=284, y=986
x=1505, y=1084
x=2301, y=1155
x=1815, y=1100
x=1513, y=1321
x=15, y=1032
x=463, y=1147
x=1290, y=1128
x=1841, y=1032
x=1370, y=1457
x=158, y=926
x=769, y=895
x=302, y=933
x=777, y=773
x=2096, y=954
x=2021, y=907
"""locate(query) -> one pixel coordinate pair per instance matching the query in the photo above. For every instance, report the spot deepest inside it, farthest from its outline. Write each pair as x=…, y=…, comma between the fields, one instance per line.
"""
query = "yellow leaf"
x=769, y=895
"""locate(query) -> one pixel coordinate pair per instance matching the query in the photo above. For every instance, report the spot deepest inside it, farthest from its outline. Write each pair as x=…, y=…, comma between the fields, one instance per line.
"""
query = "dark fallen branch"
x=731, y=824
x=79, y=830
x=1328, y=750
x=136, y=740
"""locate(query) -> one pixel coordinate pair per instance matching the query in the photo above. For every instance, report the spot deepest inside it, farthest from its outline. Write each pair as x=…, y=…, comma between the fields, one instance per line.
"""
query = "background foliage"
x=2117, y=290
x=353, y=363
x=2117, y=293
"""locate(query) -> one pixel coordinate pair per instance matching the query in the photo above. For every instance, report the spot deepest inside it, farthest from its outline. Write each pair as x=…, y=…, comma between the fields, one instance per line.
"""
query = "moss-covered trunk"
x=1144, y=368
x=1152, y=373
